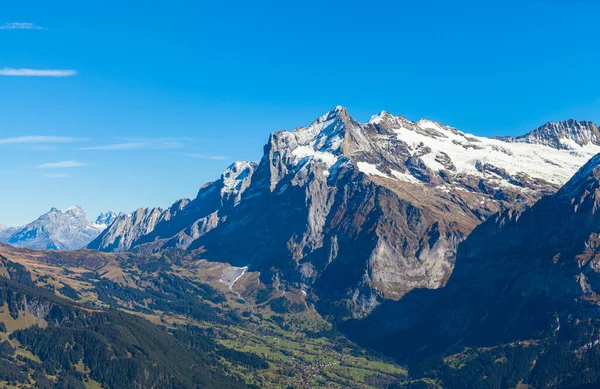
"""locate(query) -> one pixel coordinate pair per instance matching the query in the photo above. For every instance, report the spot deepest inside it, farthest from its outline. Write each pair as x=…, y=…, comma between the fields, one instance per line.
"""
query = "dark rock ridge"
x=353, y=213
x=154, y=229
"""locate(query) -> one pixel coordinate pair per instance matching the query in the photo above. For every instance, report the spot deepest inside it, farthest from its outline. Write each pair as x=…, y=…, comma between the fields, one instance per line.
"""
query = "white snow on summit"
x=468, y=151
x=552, y=153
x=58, y=230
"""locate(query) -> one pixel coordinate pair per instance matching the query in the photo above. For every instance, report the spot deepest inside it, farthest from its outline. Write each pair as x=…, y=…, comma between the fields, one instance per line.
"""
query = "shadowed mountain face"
x=524, y=278
x=531, y=270
x=356, y=213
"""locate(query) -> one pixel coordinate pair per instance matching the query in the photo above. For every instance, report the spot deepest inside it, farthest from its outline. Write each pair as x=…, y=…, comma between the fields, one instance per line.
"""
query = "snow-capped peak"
x=378, y=118
x=325, y=132
x=235, y=175
x=75, y=210
x=322, y=139
x=57, y=230
x=438, y=150
x=338, y=110
x=566, y=135
x=106, y=218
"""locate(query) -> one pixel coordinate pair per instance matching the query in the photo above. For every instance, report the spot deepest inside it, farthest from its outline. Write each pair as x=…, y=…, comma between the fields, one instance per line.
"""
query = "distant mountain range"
x=358, y=213
x=57, y=230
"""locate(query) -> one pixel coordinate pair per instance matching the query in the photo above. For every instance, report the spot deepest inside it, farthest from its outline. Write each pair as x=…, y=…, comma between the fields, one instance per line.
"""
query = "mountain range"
x=57, y=230
x=358, y=213
x=471, y=261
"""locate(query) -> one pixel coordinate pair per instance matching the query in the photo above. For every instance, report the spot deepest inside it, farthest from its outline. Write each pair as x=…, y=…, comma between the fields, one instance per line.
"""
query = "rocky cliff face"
x=57, y=230
x=154, y=229
x=525, y=275
x=356, y=213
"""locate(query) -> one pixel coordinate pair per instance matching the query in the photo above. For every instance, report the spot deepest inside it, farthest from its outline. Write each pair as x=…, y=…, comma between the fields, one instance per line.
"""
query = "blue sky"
x=159, y=97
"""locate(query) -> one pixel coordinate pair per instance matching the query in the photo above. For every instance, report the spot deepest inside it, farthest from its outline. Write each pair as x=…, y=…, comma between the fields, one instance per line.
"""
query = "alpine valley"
x=387, y=254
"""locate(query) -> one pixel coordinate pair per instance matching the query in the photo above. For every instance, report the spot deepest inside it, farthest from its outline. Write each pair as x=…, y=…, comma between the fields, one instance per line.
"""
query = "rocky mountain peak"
x=338, y=111
x=565, y=135
x=76, y=210
x=55, y=230
x=237, y=172
x=236, y=178
x=320, y=142
x=385, y=119
x=106, y=218
x=326, y=133
x=381, y=116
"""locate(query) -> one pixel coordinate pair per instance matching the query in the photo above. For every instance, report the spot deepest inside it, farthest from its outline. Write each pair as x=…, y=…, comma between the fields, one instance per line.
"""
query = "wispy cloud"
x=37, y=72
x=141, y=144
x=38, y=147
x=203, y=156
x=20, y=26
x=61, y=165
x=39, y=140
x=57, y=175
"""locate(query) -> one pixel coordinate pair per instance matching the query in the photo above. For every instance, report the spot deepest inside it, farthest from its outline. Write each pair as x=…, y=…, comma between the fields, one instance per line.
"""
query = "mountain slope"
x=217, y=310
x=360, y=212
x=154, y=229
x=364, y=211
x=58, y=230
x=526, y=282
x=64, y=345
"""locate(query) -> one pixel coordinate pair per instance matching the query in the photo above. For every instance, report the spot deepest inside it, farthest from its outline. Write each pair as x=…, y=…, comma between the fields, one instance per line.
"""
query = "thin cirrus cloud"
x=39, y=140
x=20, y=26
x=141, y=144
x=61, y=165
x=204, y=156
x=23, y=72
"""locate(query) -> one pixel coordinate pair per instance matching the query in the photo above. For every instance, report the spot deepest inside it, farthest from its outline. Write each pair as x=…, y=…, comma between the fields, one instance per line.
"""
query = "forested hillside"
x=48, y=342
